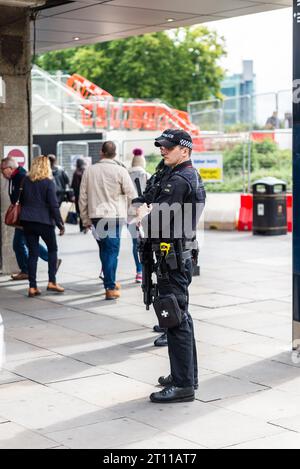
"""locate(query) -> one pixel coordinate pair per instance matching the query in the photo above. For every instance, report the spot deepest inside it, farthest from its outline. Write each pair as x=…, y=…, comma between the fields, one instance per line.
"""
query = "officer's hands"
x=143, y=211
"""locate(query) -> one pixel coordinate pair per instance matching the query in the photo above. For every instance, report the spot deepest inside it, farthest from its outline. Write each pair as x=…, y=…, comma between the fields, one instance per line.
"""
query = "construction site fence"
x=233, y=161
x=246, y=112
x=94, y=115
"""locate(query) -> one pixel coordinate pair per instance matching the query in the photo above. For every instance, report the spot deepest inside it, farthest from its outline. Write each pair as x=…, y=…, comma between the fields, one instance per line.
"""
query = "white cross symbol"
x=165, y=314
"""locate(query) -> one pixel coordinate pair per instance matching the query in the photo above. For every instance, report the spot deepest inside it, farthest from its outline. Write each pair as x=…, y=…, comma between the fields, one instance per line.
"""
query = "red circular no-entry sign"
x=18, y=155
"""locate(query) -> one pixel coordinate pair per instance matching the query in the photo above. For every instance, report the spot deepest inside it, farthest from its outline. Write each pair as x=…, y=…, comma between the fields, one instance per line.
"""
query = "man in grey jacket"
x=106, y=194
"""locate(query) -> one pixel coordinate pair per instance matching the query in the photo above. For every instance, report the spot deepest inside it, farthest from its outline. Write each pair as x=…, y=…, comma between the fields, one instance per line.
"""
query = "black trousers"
x=181, y=340
x=33, y=232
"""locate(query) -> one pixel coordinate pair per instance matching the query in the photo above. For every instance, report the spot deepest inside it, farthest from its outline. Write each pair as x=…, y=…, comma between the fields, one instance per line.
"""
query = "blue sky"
x=265, y=38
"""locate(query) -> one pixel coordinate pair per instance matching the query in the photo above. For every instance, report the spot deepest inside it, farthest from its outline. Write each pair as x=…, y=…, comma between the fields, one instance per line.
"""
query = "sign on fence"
x=209, y=165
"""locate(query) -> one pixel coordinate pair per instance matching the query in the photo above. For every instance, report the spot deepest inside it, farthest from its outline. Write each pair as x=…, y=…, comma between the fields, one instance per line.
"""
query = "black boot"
x=168, y=381
x=162, y=341
x=159, y=330
x=172, y=394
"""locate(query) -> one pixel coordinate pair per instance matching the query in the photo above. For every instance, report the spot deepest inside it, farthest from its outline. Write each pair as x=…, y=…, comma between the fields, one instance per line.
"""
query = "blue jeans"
x=21, y=251
x=133, y=231
x=109, y=248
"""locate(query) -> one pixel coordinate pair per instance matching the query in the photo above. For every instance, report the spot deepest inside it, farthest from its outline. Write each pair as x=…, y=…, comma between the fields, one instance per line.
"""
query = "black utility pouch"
x=168, y=311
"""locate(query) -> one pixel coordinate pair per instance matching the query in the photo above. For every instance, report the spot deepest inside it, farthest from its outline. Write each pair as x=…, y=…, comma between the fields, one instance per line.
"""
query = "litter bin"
x=270, y=207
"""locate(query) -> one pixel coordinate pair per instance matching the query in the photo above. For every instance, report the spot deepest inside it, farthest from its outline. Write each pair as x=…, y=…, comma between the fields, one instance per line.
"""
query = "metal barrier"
x=227, y=162
x=36, y=151
x=243, y=113
x=222, y=159
x=69, y=152
x=207, y=115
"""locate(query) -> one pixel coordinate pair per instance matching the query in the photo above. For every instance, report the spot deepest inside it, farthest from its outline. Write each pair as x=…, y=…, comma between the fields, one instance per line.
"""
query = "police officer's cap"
x=172, y=138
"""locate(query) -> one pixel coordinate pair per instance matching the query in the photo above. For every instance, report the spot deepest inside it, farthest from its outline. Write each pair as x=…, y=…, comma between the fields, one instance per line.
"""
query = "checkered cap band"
x=186, y=143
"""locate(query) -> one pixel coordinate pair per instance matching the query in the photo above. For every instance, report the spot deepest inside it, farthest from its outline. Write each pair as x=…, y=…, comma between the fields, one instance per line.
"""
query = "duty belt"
x=173, y=257
x=187, y=246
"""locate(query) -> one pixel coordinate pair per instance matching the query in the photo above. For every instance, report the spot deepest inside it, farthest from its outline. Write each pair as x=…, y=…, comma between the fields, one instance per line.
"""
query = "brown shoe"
x=19, y=277
x=118, y=286
x=54, y=287
x=33, y=292
x=112, y=295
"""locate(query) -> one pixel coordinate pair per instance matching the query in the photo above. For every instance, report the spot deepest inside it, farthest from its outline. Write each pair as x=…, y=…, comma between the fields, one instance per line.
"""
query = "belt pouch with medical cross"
x=168, y=311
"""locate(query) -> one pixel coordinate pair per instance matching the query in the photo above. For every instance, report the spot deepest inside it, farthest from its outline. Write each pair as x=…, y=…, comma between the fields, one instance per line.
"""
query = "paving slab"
x=6, y=377
x=216, y=300
x=203, y=423
x=253, y=322
x=291, y=423
x=285, y=440
x=14, y=436
x=270, y=405
x=105, y=391
x=48, y=336
x=16, y=350
x=220, y=336
x=104, y=435
x=268, y=373
x=97, y=325
x=215, y=387
x=162, y=440
x=264, y=347
x=52, y=369
x=40, y=408
x=100, y=352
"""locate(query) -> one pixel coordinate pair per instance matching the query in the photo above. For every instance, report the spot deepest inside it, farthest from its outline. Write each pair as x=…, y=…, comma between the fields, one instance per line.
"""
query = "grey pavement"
x=79, y=370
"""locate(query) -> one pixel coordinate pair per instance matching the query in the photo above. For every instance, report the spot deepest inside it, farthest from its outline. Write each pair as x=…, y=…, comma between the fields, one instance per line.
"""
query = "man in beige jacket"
x=106, y=194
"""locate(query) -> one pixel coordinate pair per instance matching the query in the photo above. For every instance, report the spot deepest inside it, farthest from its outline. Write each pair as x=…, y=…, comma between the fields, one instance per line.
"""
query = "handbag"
x=13, y=214
x=72, y=217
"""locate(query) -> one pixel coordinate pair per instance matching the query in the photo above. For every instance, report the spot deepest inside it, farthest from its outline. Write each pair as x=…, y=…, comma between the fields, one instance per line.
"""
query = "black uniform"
x=181, y=188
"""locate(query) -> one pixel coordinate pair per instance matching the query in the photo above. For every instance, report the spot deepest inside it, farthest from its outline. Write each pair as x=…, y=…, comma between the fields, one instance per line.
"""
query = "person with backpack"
x=139, y=177
x=61, y=179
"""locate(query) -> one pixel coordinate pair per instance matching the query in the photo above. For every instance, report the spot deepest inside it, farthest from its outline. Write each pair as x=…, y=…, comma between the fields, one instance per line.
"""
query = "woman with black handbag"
x=39, y=216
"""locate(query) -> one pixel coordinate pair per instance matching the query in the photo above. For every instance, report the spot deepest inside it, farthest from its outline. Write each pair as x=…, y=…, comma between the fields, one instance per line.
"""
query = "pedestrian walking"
x=105, y=195
x=39, y=216
x=16, y=174
x=61, y=180
x=76, y=183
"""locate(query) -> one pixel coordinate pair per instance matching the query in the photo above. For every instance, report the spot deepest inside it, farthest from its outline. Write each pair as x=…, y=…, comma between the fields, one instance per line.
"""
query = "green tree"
x=176, y=68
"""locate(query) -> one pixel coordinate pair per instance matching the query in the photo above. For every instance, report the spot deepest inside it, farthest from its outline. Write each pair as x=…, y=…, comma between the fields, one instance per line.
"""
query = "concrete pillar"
x=15, y=128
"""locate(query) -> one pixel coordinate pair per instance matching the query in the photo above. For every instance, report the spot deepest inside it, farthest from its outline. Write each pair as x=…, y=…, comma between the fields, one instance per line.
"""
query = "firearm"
x=147, y=260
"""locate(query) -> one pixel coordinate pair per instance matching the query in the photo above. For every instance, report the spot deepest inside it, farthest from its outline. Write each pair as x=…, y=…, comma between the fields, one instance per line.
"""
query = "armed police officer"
x=148, y=197
x=170, y=250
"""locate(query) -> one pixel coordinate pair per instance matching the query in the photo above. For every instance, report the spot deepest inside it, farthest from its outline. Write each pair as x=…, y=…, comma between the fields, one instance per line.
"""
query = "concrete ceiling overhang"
x=89, y=21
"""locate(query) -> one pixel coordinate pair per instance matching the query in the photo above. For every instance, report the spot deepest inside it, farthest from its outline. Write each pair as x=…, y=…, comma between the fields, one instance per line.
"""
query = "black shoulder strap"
x=21, y=189
x=183, y=176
